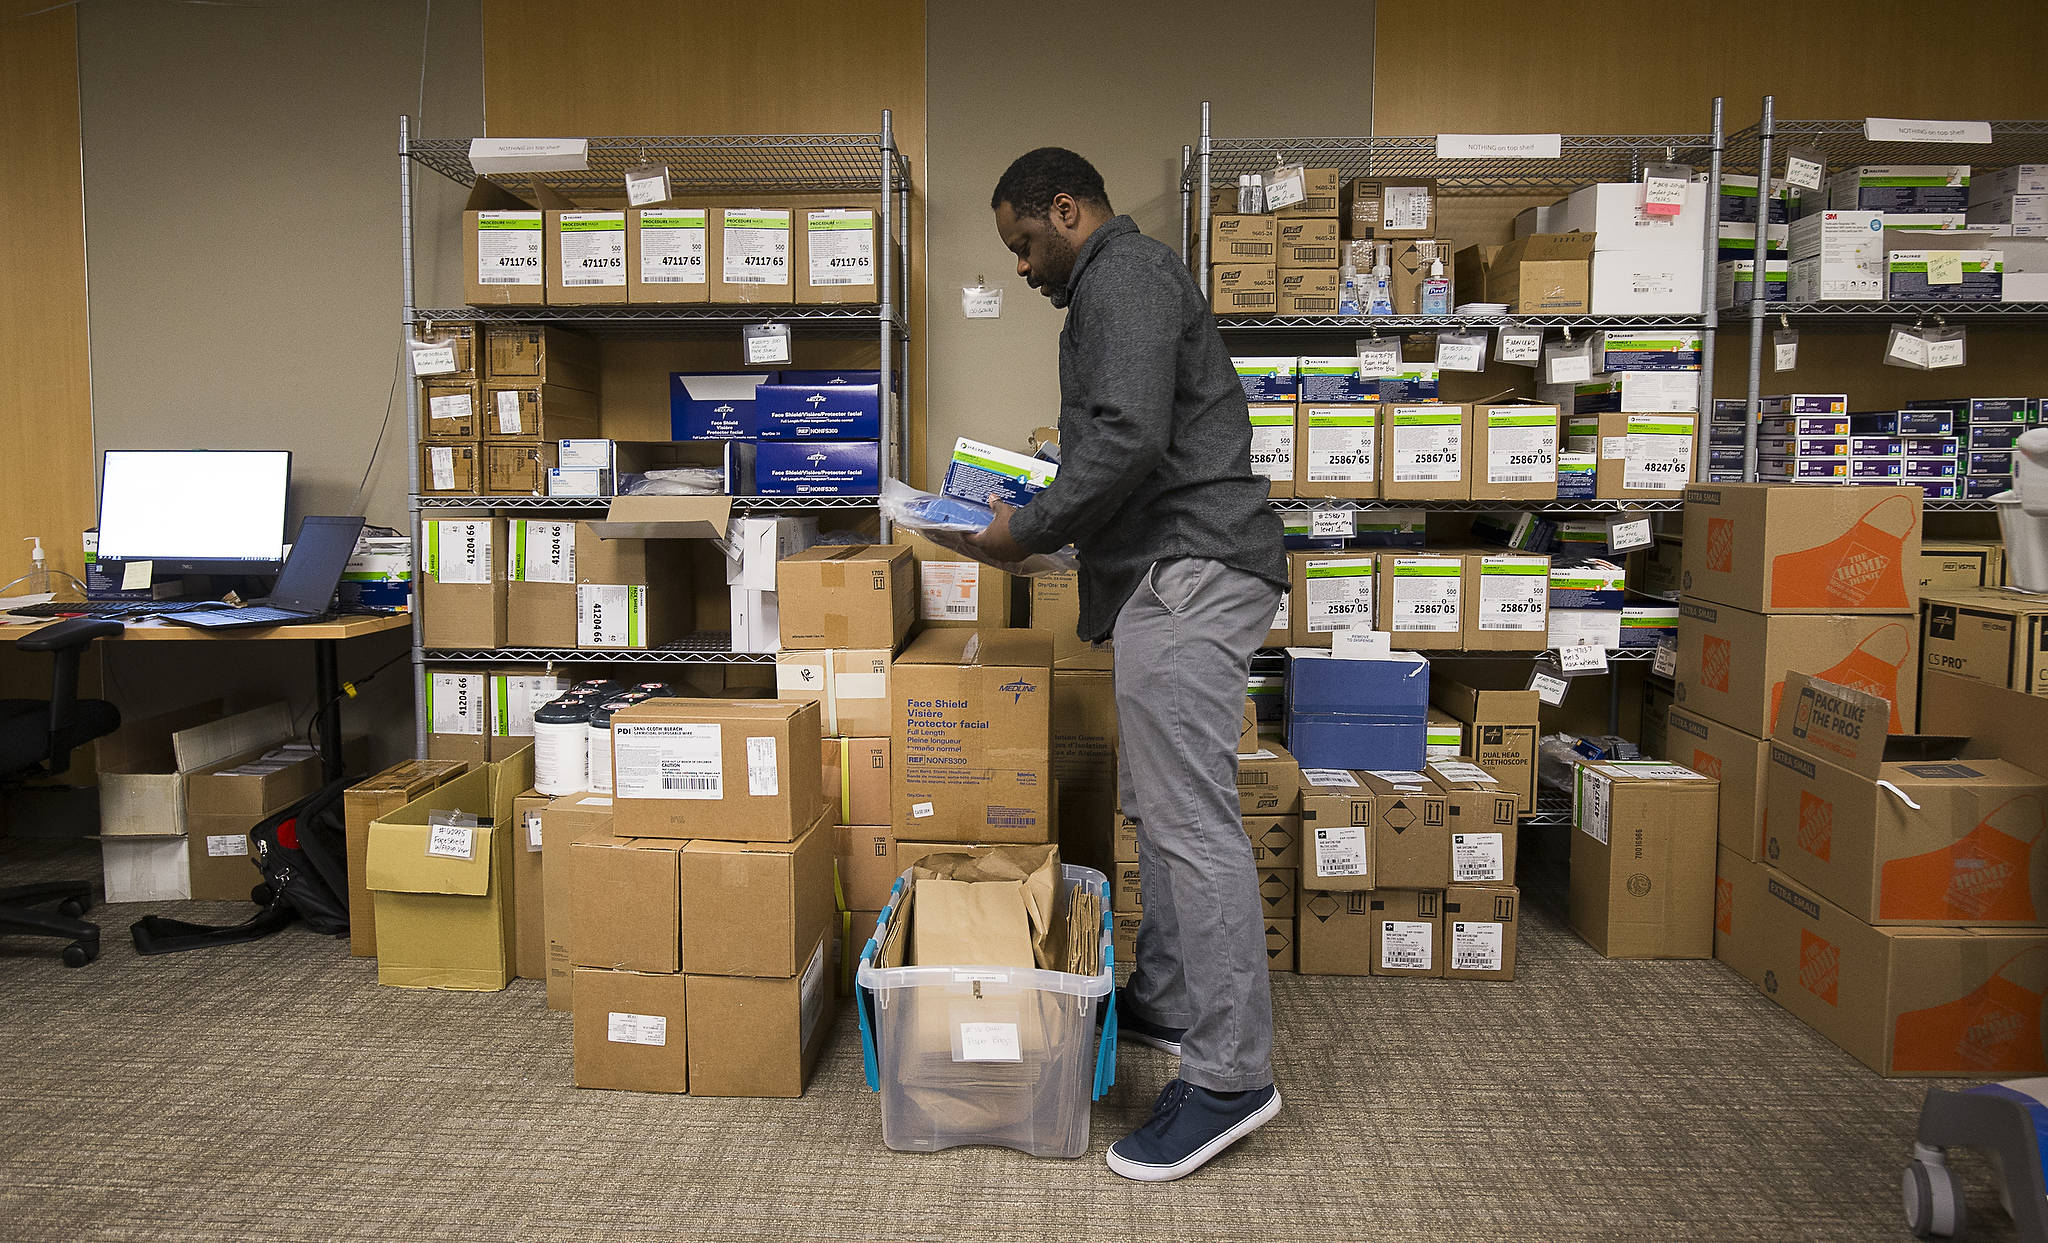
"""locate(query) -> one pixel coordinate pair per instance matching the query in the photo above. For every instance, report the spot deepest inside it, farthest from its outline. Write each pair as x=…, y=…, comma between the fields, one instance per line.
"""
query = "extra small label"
x=452, y=841
x=989, y=1042
x=648, y=1029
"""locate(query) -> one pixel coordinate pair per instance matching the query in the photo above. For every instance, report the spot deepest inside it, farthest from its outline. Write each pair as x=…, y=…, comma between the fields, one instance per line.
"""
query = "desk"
x=322, y=635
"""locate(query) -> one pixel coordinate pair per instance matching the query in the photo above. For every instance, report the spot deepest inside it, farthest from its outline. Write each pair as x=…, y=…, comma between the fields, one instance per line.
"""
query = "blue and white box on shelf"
x=1363, y=714
x=818, y=468
x=714, y=405
x=784, y=411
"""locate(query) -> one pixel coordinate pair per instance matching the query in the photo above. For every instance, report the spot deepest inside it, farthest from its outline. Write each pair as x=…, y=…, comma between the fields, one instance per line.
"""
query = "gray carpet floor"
x=274, y=1091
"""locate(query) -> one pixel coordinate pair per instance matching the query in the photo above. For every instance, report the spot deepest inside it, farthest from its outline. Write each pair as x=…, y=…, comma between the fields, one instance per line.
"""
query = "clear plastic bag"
x=947, y=521
x=677, y=481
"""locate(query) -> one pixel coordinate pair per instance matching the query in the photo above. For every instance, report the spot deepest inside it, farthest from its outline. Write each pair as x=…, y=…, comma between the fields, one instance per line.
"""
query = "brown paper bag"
x=1036, y=869
x=971, y=924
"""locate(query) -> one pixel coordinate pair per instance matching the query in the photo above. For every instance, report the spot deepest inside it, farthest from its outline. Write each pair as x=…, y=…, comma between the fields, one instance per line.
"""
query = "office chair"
x=37, y=737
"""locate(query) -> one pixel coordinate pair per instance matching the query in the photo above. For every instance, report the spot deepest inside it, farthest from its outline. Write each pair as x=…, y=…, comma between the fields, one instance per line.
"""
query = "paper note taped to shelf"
x=1499, y=146
x=529, y=155
x=1892, y=129
x=1582, y=658
x=1333, y=522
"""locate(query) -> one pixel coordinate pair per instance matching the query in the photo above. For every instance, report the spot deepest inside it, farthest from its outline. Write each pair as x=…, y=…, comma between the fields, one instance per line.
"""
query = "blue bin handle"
x=1105, y=1044
x=863, y=1004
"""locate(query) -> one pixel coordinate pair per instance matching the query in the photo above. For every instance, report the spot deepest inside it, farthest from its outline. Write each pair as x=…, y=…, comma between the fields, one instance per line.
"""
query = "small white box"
x=2026, y=213
x=578, y=481
x=758, y=543
x=145, y=869
x=2026, y=268
x=1649, y=282
x=591, y=453
x=1837, y=256
x=1613, y=212
x=1536, y=220
x=2019, y=179
x=756, y=621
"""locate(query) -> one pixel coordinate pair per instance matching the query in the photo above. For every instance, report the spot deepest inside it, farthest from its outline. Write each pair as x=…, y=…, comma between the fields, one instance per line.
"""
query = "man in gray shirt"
x=1182, y=564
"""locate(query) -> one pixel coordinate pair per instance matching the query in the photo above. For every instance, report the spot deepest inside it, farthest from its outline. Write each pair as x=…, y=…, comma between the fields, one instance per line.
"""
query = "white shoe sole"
x=1156, y=1042
x=1139, y=1171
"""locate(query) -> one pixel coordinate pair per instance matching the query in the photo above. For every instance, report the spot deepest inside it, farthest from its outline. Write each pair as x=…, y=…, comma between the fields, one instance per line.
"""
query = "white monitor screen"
x=193, y=505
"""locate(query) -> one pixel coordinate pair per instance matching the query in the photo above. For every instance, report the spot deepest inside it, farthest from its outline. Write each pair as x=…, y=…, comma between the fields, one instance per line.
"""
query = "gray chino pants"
x=1184, y=642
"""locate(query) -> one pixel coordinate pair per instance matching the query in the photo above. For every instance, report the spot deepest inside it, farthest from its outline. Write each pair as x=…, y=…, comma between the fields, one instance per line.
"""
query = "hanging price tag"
x=765, y=344
x=1379, y=357
x=1804, y=168
x=1460, y=352
x=979, y=303
x=1569, y=365
x=1664, y=188
x=1945, y=351
x=1548, y=687
x=432, y=358
x=1784, y=350
x=451, y=841
x=1666, y=663
x=1626, y=533
x=1906, y=348
x=646, y=183
x=1583, y=658
x=1519, y=345
x=1286, y=186
x=1327, y=523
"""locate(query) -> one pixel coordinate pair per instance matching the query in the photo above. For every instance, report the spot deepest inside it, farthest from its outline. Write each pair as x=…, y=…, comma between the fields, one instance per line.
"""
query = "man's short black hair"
x=1034, y=178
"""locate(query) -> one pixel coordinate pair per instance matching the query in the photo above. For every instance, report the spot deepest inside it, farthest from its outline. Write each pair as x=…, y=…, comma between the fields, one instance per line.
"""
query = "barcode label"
x=668, y=760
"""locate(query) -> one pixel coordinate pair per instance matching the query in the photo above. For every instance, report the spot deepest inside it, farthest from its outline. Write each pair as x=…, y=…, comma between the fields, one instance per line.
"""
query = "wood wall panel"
x=559, y=68
x=46, y=441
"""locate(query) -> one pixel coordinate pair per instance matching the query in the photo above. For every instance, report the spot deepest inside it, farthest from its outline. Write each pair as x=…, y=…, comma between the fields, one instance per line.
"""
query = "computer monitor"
x=195, y=511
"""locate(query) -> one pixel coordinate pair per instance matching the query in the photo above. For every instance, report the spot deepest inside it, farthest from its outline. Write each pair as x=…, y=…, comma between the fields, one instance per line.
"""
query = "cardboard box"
x=759, y=1037
x=851, y=689
x=1124, y=841
x=1244, y=288
x=1407, y=932
x=1268, y=781
x=1280, y=945
x=1500, y=727
x=1733, y=758
x=1338, y=833
x=1946, y=565
x=444, y=920
x=1645, y=455
x=1987, y=636
x=529, y=889
x=584, y=253
x=261, y=780
x=1335, y=451
x=218, y=864
x=817, y=468
x=1733, y=664
x=462, y=582
x=458, y=714
x=750, y=259
x=666, y=256
x=143, y=766
x=1331, y=591
x=1279, y=891
x=564, y=822
x=956, y=591
x=450, y=410
x=1276, y=841
x=529, y=410
x=973, y=736
x=1542, y=274
x=540, y=354
x=1443, y=736
x=1910, y=830
x=852, y=596
x=1124, y=934
x=680, y=765
x=362, y=804
x=1272, y=453
x=1243, y=239
x=501, y=249
x=1409, y=265
x=1479, y=931
x=755, y=908
x=548, y=559
x=1319, y=195
x=625, y=903
x=1308, y=291
x=1334, y=933
x=1388, y=207
x=1514, y=452
x=1642, y=864
x=1778, y=549
x=144, y=869
x=450, y=469
x=1422, y=601
x=1411, y=831
x=1305, y=242
x=1651, y=282
x=835, y=256
x=630, y=1031
x=866, y=863
x=1084, y=764
x=1482, y=822
x=1425, y=458
x=1126, y=890
x=1055, y=611
x=516, y=469
x=1345, y=712
x=1506, y=605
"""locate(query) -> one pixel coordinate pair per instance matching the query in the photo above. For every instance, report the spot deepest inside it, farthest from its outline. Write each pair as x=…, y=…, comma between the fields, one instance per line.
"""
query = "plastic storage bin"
x=2023, y=514
x=988, y=1055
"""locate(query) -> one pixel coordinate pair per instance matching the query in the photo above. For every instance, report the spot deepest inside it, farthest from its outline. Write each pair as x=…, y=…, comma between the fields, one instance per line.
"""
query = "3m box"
x=1645, y=456
x=973, y=736
x=729, y=770
x=1837, y=256
x=1268, y=781
x=630, y=1033
x=1506, y=604
x=1422, y=600
x=1903, y=1001
x=1482, y=822
x=750, y=255
x=818, y=468
x=1305, y=243
x=1733, y=758
x=1244, y=288
x=1242, y=239
x=1776, y=549
x=1500, y=727
x=625, y=903
x=1407, y=932
x=1425, y=456
x=983, y=472
x=835, y=256
x=584, y=253
x=759, y=1037
x=1642, y=864
x=1479, y=931
x=1334, y=933
x=755, y=908
x=1987, y=636
x=1346, y=713
x=858, y=596
x=667, y=256
x=1910, y=830
x=1335, y=451
x=462, y=583
x=1733, y=664
x=1331, y=591
x=1514, y=452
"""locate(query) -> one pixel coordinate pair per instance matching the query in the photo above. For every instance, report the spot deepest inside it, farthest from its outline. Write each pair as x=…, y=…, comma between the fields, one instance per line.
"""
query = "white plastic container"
x=561, y=746
x=2023, y=514
x=988, y=1055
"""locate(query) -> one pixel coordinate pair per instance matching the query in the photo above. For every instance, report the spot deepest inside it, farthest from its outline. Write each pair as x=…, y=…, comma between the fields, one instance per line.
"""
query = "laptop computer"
x=305, y=585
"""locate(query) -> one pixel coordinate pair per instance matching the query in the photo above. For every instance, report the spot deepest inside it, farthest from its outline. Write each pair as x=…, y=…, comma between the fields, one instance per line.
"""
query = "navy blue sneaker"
x=1130, y=1027
x=1189, y=1125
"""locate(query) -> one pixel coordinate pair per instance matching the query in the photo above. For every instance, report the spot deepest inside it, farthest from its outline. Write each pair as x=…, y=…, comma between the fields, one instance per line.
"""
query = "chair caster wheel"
x=79, y=953
x=1934, y=1201
x=72, y=908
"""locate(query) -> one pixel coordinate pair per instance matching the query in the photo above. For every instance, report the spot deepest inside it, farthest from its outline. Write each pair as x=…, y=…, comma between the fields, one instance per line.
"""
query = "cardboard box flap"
x=144, y=746
x=209, y=744
x=997, y=649
x=1545, y=247
x=2002, y=724
x=666, y=517
x=400, y=862
x=488, y=195
x=1837, y=723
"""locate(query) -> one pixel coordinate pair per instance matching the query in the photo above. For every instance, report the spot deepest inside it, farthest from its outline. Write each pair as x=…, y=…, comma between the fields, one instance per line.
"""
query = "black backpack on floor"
x=302, y=853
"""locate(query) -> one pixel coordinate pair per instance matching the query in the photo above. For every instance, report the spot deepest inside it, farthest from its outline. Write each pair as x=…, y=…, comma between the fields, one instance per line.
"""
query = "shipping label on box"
x=1424, y=596
x=1333, y=593
x=672, y=246
x=1425, y=452
x=592, y=248
x=1273, y=446
x=1335, y=451
x=754, y=243
x=1519, y=446
x=731, y=770
x=1407, y=932
x=839, y=247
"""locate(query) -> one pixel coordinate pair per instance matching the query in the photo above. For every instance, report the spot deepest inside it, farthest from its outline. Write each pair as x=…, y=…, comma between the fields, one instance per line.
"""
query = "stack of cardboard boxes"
x=493, y=427
x=1084, y=724
x=1282, y=263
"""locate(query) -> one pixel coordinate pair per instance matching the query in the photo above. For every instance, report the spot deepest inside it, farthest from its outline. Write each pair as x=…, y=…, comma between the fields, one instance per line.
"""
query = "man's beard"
x=1059, y=254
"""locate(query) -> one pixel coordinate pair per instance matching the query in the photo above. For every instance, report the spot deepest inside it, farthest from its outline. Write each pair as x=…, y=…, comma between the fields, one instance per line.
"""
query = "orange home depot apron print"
x=1989, y=875
x=1873, y=668
x=1993, y=1029
x=1863, y=568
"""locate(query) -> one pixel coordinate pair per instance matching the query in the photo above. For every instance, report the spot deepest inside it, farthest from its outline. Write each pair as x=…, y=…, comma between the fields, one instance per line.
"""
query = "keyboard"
x=100, y=608
x=255, y=613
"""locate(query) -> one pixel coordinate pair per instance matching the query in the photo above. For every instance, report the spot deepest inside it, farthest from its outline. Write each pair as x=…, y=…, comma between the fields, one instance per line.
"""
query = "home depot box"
x=666, y=256
x=850, y=687
x=1055, y=611
x=1499, y=717
x=1411, y=831
x=1337, y=828
x=1335, y=451
x=1542, y=274
x=1901, y=1000
x=1422, y=600
x=1514, y=452
x=1244, y=288
x=1731, y=757
x=862, y=596
x=501, y=249
x=630, y=1031
x=835, y=256
x=564, y=822
x=725, y=769
x=1732, y=663
x=1642, y=865
x=1910, y=830
x=1425, y=458
x=759, y=1037
x=1777, y=548
x=462, y=582
x=1242, y=239
x=973, y=736
x=443, y=908
x=1407, y=932
x=1506, y=606
x=362, y=804
x=584, y=253
x=1334, y=933
x=1645, y=455
x=750, y=255
x=755, y=908
x=1479, y=931
x=1268, y=781
x=1332, y=591
x=954, y=590
x=1987, y=636
x=625, y=899
x=1481, y=822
